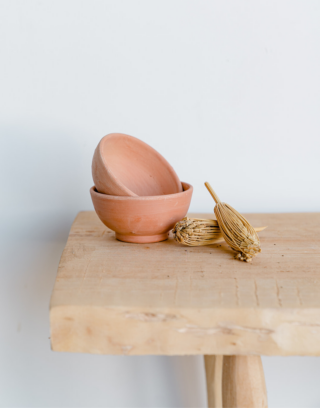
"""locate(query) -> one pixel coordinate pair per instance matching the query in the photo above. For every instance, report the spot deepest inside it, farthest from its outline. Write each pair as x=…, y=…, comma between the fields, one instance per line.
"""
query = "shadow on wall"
x=47, y=174
x=33, y=375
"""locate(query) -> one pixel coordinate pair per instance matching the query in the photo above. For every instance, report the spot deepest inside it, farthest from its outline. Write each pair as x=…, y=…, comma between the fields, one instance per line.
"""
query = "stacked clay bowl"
x=137, y=193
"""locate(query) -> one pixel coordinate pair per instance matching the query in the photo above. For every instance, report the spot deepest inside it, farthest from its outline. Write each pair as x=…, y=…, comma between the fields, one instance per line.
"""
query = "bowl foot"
x=137, y=239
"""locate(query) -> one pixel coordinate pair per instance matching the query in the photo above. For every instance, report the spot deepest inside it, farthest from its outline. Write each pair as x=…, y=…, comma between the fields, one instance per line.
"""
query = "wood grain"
x=112, y=297
x=243, y=383
x=213, y=367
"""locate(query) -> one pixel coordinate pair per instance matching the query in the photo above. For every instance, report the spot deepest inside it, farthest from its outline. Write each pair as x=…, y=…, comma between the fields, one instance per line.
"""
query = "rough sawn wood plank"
x=112, y=297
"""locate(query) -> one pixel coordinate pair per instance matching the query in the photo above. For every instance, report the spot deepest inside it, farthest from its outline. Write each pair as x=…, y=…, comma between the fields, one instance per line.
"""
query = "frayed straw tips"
x=236, y=230
x=197, y=232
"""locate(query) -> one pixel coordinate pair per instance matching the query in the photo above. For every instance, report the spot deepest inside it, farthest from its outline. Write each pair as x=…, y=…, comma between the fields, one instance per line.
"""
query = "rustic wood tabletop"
x=112, y=297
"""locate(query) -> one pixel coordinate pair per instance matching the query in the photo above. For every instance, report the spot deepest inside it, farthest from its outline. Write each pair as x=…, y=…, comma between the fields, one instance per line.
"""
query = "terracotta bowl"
x=125, y=166
x=142, y=219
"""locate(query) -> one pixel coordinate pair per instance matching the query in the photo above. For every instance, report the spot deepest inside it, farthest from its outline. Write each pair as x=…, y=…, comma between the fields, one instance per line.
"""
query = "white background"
x=227, y=91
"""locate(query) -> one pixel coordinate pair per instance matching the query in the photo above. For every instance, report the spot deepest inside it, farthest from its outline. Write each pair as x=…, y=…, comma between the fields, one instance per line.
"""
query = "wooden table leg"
x=243, y=384
x=213, y=366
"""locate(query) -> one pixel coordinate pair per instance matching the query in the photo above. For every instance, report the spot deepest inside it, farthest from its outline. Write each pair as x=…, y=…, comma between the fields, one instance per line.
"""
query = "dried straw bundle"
x=199, y=231
x=236, y=230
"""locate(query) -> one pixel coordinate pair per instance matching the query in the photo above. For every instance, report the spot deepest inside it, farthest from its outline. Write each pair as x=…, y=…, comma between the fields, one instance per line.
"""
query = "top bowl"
x=123, y=165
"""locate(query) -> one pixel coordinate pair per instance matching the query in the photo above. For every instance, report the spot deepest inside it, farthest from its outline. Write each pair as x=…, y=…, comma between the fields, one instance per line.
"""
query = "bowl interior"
x=138, y=166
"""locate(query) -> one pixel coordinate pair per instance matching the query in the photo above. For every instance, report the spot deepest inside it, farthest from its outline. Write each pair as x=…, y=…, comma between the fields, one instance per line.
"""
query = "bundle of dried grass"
x=236, y=230
x=199, y=231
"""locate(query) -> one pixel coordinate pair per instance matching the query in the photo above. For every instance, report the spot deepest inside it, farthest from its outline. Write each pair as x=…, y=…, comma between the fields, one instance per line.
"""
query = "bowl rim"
x=95, y=192
x=116, y=180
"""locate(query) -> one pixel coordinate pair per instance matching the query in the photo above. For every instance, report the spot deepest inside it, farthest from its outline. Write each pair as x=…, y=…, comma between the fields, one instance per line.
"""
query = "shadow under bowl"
x=142, y=219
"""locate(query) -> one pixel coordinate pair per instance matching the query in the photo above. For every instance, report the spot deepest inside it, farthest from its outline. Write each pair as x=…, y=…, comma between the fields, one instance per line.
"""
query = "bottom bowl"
x=142, y=219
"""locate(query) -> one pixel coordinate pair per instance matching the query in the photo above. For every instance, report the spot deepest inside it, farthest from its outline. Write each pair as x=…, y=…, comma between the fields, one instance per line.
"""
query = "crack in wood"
x=256, y=293
x=151, y=317
x=278, y=294
x=222, y=329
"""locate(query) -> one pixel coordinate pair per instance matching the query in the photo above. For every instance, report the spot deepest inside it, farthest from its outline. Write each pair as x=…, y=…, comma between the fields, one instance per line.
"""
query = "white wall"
x=227, y=91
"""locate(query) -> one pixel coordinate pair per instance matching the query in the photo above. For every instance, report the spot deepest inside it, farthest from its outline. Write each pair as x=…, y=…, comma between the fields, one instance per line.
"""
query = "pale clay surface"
x=124, y=165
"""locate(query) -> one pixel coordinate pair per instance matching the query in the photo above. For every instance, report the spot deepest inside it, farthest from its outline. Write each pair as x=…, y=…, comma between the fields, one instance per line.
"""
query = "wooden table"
x=112, y=297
